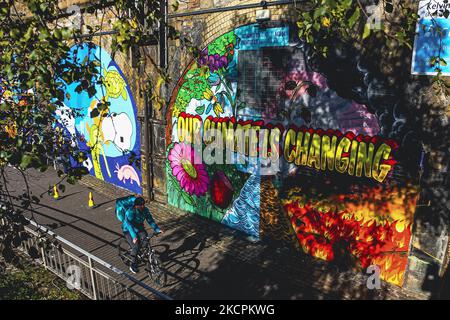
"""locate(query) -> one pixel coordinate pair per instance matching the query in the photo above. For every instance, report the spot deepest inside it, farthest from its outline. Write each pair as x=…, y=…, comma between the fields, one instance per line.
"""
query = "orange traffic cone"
x=91, y=203
x=55, y=192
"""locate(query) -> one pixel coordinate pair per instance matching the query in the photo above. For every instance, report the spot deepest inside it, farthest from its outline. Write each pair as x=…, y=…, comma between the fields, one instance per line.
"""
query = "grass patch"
x=27, y=281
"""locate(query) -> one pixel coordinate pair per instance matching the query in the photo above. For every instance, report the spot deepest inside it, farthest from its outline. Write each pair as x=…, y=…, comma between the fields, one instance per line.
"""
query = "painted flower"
x=188, y=170
x=214, y=61
x=208, y=94
x=215, y=105
x=218, y=110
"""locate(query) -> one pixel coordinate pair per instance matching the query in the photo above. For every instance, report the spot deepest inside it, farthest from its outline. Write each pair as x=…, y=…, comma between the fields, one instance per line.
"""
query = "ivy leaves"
x=327, y=18
x=352, y=22
x=35, y=68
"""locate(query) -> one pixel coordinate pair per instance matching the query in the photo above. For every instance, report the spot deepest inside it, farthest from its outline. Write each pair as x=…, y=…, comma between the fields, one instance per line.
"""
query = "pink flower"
x=188, y=169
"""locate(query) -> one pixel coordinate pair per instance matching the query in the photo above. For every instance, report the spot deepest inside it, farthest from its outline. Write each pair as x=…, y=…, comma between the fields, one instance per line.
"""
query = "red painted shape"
x=221, y=190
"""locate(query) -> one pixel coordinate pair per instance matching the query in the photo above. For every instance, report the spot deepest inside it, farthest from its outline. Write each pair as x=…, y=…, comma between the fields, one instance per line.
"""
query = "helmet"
x=139, y=201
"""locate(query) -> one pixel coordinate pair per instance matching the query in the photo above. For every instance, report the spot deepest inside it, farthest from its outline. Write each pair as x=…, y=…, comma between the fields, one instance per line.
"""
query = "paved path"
x=204, y=260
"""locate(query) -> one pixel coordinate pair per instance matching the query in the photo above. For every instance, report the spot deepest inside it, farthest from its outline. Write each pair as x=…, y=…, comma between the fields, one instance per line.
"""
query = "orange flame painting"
x=373, y=226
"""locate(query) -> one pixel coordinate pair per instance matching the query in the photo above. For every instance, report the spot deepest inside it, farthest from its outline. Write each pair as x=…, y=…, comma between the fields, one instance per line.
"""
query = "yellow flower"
x=208, y=94
x=7, y=94
x=326, y=22
x=11, y=130
x=133, y=24
x=218, y=109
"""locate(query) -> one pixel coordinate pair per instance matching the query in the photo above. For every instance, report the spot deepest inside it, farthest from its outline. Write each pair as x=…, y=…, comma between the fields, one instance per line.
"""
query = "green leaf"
x=316, y=26
x=25, y=161
x=367, y=31
x=312, y=90
x=200, y=109
x=187, y=198
x=355, y=17
x=319, y=12
x=71, y=180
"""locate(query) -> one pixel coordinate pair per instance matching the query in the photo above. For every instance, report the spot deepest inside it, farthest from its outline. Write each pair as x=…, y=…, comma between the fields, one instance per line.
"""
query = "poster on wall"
x=334, y=187
x=432, y=42
x=109, y=137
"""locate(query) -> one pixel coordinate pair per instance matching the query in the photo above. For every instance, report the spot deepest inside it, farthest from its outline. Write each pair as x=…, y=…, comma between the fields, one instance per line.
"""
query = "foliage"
x=27, y=281
x=220, y=45
x=193, y=87
x=377, y=29
x=35, y=66
x=351, y=22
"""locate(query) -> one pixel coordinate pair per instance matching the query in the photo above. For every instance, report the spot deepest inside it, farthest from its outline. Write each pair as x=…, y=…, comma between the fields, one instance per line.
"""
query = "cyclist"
x=134, y=230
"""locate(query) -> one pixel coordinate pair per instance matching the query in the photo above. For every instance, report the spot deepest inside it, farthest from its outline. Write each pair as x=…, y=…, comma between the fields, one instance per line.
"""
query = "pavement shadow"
x=181, y=263
x=220, y=263
x=272, y=275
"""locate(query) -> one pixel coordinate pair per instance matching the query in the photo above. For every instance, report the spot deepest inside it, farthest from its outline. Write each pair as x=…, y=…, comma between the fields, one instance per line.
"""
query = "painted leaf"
x=187, y=198
x=221, y=98
x=175, y=184
x=200, y=109
x=208, y=110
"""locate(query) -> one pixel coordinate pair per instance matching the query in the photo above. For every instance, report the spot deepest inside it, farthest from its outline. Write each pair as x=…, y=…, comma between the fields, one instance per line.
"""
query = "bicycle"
x=146, y=255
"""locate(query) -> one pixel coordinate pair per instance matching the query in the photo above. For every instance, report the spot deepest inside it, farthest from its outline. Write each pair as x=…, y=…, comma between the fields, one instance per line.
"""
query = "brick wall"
x=202, y=29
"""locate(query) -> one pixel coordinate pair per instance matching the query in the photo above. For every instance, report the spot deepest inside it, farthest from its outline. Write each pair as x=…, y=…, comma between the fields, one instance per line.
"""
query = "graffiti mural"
x=110, y=136
x=338, y=189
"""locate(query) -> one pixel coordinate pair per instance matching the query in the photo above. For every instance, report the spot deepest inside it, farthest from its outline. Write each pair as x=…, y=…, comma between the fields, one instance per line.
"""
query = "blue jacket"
x=134, y=221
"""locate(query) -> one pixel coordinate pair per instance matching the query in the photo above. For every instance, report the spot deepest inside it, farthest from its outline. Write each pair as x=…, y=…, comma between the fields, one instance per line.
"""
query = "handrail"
x=98, y=260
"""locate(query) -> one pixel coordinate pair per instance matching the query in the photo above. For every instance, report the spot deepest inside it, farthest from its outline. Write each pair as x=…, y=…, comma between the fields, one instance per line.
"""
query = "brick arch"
x=174, y=93
x=220, y=23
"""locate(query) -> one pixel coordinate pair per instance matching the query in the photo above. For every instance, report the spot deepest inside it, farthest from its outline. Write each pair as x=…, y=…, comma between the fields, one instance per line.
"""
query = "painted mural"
x=336, y=190
x=110, y=137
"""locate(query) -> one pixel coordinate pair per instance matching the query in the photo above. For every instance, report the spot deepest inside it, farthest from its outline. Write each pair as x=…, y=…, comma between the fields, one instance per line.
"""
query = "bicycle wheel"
x=123, y=250
x=155, y=270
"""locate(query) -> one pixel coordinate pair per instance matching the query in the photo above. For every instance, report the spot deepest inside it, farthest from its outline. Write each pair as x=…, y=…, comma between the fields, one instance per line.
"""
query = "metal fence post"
x=94, y=286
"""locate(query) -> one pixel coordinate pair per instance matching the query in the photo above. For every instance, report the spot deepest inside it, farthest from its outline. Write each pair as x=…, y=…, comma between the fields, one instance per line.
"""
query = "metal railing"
x=82, y=270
